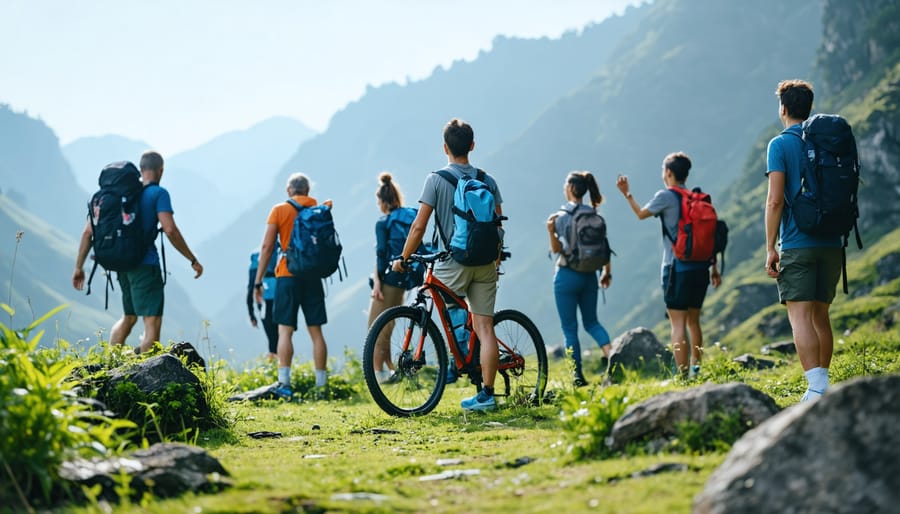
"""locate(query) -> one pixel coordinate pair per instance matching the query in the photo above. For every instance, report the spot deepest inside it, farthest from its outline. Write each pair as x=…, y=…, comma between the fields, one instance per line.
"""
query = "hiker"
x=293, y=292
x=389, y=287
x=809, y=266
x=684, y=283
x=575, y=283
x=142, y=288
x=478, y=283
x=266, y=309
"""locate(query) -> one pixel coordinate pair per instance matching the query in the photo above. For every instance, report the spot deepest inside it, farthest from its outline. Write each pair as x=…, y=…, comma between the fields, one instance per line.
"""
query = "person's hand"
x=78, y=279
x=376, y=290
x=197, y=267
x=622, y=184
x=253, y=322
x=772, y=260
x=329, y=203
x=398, y=265
x=715, y=278
x=605, y=280
x=257, y=294
x=551, y=223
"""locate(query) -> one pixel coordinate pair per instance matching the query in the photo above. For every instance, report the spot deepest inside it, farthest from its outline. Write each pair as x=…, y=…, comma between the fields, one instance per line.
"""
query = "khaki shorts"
x=477, y=283
x=809, y=274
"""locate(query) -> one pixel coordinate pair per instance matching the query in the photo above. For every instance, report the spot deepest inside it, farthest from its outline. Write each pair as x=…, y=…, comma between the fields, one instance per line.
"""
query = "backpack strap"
x=295, y=204
x=662, y=221
x=453, y=180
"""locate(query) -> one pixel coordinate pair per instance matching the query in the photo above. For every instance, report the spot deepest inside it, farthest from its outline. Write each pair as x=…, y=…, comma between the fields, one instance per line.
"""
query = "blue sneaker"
x=282, y=392
x=480, y=401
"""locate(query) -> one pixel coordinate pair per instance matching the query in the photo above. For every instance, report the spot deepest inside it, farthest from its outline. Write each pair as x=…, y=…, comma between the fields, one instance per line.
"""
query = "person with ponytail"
x=575, y=287
x=388, y=288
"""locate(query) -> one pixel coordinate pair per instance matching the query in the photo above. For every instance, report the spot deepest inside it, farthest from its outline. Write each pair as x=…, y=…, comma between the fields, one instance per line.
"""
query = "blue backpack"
x=397, y=227
x=476, y=226
x=268, y=288
x=314, y=249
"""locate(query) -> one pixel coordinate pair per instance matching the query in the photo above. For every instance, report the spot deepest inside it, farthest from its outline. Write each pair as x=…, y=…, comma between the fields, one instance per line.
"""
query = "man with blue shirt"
x=478, y=284
x=684, y=283
x=808, y=267
x=142, y=288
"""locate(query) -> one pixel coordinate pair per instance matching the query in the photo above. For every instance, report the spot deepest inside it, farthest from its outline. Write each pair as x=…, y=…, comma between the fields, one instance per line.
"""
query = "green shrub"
x=716, y=433
x=588, y=417
x=42, y=423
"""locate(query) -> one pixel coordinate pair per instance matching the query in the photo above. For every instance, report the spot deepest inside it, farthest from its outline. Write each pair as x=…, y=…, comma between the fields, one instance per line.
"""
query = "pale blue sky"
x=175, y=73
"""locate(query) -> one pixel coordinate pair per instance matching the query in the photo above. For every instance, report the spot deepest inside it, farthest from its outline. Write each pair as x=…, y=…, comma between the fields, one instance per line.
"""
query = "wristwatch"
x=258, y=286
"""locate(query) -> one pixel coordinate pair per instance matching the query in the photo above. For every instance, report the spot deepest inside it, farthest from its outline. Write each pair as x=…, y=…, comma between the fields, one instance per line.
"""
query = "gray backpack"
x=585, y=246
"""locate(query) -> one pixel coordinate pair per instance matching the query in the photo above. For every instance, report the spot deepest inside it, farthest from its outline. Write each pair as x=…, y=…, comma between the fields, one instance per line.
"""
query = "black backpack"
x=826, y=204
x=585, y=246
x=118, y=241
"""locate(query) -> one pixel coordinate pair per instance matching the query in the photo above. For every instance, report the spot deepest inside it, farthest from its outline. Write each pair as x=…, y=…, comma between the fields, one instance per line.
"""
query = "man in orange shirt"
x=293, y=292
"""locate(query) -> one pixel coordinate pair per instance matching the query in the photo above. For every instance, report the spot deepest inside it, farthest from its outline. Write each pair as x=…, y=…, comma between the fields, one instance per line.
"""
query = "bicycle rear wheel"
x=523, y=359
x=417, y=384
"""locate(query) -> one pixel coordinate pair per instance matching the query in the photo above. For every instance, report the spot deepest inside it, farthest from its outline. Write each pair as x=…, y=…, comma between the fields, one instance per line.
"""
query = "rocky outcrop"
x=164, y=470
x=748, y=361
x=658, y=417
x=638, y=349
x=837, y=454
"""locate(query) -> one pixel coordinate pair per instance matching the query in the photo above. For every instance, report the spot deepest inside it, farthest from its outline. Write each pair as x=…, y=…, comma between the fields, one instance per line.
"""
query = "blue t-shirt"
x=154, y=200
x=786, y=155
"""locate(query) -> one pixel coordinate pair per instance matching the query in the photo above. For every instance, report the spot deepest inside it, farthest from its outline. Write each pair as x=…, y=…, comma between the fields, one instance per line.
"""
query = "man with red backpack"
x=689, y=247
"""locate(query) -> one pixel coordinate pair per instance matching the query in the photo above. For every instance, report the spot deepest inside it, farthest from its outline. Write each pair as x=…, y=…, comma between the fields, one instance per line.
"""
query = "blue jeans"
x=578, y=291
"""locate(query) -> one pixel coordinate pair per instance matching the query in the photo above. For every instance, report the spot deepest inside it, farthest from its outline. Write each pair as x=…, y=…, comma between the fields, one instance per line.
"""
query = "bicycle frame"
x=426, y=299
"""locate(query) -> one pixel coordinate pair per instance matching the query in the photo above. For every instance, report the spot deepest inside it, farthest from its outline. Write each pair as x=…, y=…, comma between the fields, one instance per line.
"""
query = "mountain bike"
x=419, y=353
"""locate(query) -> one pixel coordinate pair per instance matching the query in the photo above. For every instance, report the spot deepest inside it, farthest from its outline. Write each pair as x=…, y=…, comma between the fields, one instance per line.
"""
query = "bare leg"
x=822, y=325
x=152, y=327
x=695, y=335
x=121, y=329
x=320, y=349
x=678, y=321
x=490, y=353
x=285, y=346
x=806, y=338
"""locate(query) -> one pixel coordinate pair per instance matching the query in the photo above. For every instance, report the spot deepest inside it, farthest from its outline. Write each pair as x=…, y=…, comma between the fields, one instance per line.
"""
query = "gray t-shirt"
x=438, y=194
x=667, y=205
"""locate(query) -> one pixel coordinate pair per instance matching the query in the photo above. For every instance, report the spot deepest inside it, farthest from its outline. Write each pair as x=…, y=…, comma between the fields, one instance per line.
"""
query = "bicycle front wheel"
x=408, y=339
x=523, y=359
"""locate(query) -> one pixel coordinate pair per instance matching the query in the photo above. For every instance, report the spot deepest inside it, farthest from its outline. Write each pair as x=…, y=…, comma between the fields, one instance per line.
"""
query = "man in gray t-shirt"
x=684, y=283
x=477, y=283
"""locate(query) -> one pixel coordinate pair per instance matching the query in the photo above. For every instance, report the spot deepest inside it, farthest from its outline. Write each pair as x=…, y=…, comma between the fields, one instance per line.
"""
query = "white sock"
x=321, y=377
x=284, y=375
x=818, y=379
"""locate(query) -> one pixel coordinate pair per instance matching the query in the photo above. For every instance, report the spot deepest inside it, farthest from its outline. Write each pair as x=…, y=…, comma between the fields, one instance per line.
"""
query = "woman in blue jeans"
x=577, y=290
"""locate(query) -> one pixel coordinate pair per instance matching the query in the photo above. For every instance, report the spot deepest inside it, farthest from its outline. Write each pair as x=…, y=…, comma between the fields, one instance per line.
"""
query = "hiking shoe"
x=480, y=401
x=579, y=380
x=693, y=371
x=811, y=394
x=393, y=378
x=280, y=391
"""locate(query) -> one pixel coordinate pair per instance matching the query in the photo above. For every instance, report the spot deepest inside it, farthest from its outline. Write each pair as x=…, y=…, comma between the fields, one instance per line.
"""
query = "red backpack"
x=701, y=234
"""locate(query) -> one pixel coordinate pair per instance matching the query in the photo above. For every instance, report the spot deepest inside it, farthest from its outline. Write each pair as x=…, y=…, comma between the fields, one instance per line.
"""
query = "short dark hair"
x=151, y=160
x=458, y=136
x=679, y=164
x=796, y=96
x=298, y=184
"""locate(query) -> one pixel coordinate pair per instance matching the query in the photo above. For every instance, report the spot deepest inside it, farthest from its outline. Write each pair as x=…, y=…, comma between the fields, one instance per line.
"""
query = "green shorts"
x=142, y=291
x=809, y=274
x=478, y=284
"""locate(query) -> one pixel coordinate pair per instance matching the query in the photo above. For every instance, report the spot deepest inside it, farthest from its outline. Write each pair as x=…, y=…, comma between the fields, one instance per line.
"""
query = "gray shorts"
x=809, y=274
x=477, y=283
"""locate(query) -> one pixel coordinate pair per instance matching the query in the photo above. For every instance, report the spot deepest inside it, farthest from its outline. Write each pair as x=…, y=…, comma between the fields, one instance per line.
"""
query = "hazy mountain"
x=34, y=173
x=88, y=155
x=227, y=170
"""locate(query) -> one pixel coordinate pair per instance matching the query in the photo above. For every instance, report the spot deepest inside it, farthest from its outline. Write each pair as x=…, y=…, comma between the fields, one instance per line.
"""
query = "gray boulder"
x=748, y=361
x=784, y=347
x=639, y=349
x=164, y=470
x=656, y=419
x=153, y=375
x=837, y=454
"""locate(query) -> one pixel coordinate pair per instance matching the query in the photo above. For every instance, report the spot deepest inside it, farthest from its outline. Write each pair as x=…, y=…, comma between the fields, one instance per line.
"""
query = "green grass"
x=330, y=450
